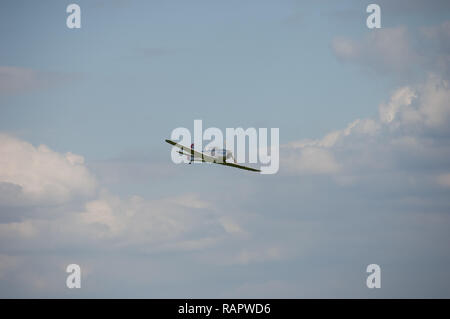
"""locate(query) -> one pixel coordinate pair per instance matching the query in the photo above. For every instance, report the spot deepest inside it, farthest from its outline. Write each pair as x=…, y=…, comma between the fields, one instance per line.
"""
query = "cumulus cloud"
x=401, y=98
x=434, y=106
x=151, y=225
x=310, y=160
x=112, y=223
x=425, y=107
x=30, y=175
x=33, y=177
x=411, y=134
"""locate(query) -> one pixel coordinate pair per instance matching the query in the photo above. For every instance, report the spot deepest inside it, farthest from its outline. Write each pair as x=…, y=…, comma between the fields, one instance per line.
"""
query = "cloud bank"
x=37, y=175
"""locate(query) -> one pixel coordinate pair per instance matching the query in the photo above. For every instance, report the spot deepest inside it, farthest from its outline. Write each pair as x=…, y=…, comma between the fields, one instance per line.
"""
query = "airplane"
x=213, y=155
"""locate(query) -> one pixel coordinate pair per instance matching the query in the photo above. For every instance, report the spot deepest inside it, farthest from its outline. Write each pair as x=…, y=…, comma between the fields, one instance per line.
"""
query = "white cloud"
x=30, y=174
x=317, y=156
x=37, y=176
x=401, y=98
x=113, y=223
x=310, y=160
x=139, y=221
x=384, y=49
x=345, y=48
x=401, y=135
x=425, y=106
x=435, y=102
x=230, y=225
x=399, y=50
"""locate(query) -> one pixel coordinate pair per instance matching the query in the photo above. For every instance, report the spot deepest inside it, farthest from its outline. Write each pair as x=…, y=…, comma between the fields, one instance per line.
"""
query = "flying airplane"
x=213, y=155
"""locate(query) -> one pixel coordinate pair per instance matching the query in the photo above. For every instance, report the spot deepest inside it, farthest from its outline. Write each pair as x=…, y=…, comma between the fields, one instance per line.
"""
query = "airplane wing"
x=190, y=151
x=206, y=158
x=240, y=166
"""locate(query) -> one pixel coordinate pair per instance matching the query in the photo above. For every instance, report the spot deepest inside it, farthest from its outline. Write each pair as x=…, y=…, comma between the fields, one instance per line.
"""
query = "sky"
x=86, y=177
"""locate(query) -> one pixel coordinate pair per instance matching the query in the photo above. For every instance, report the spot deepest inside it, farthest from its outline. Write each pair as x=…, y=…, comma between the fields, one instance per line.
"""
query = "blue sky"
x=364, y=174
x=228, y=64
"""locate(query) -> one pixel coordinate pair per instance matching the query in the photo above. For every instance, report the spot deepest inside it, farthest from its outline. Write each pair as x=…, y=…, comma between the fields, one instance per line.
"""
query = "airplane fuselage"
x=210, y=155
x=219, y=155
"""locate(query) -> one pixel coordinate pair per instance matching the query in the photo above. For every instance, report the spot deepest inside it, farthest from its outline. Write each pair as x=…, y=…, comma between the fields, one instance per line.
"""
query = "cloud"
x=35, y=177
x=408, y=7
x=401, y=98
x=310, y=160
x=385, y=49
x=390, y=10
x=425, y=107
x=434, y=107
x=24, y=229
x=150, y=225
x=112, y=223
x=399, y=50
x=15, y=80
x=31, y=175
x=247, y=232
x=7, y=263
x=230, y=225
x=438, y=36
x=245, y=256
x=104, y=224
x=410, y=136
